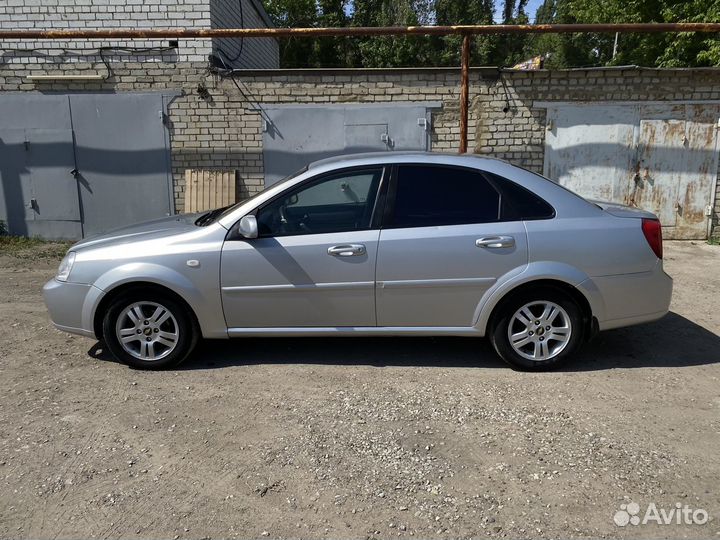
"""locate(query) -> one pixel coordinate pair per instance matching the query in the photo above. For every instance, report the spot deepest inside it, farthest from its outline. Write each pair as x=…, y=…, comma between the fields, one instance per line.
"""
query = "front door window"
x=339, y=203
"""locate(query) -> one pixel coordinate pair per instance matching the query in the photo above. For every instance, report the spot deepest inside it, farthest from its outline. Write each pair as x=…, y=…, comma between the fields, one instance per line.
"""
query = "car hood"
x=147, y=230
x=622, y=210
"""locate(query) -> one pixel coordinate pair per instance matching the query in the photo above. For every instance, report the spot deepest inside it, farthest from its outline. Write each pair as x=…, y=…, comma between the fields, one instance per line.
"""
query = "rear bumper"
x=65, y=302
x=629, y=299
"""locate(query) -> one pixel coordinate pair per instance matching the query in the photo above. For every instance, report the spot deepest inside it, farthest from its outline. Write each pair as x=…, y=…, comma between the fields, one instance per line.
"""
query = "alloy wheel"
x=147, y=330
x=539, y=330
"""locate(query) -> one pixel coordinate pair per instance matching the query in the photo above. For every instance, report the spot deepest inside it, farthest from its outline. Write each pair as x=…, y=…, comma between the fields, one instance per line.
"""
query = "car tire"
x=537, y=330
x=147, y=329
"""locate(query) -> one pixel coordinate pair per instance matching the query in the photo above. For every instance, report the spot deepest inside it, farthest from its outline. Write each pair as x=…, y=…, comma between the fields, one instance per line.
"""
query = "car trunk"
x=623, y=211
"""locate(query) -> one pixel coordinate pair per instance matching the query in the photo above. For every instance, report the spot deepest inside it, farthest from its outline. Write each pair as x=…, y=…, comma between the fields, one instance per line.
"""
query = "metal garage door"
x=39, y=195
x=660, y=157
x=123, y=161
x=297, y=135
x=80, y=164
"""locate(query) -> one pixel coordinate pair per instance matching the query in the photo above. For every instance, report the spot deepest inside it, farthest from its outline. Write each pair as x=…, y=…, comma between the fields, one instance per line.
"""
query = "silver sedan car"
x=400, y=244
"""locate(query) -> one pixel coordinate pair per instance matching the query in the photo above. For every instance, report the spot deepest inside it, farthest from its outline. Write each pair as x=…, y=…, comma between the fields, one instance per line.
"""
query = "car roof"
x=376, y=158
x=568, y=203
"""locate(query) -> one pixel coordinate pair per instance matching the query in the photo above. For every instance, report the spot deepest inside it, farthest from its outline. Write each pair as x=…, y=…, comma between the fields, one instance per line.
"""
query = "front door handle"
x=347, y=250
x=495, y=242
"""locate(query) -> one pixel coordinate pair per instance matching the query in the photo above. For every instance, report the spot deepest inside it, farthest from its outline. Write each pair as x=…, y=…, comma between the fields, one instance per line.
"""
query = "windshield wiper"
x=207, y=219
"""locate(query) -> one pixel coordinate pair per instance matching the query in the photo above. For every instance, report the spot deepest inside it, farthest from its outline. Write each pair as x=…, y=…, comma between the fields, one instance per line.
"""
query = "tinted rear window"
x=429, y=196
x=519, y=203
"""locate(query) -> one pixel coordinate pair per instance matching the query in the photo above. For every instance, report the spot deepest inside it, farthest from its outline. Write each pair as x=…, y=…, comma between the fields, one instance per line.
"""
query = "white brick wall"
x=109, y=14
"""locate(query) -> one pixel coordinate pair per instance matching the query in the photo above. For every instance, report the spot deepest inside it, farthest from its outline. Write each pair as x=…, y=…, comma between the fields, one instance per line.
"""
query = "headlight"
x=65, y=266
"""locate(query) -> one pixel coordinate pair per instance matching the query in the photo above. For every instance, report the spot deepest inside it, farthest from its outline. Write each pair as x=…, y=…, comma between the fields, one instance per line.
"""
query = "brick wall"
x=101, y=14
x=59, y=56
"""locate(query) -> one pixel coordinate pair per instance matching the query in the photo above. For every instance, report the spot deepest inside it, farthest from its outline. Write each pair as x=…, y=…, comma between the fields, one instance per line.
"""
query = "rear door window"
x=431, y=196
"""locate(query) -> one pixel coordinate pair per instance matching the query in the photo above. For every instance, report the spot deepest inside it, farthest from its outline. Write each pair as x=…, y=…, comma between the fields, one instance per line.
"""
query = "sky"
x=530, y=9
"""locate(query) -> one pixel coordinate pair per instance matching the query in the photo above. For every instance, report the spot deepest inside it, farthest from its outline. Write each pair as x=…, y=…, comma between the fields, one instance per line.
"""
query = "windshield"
x=213, y=215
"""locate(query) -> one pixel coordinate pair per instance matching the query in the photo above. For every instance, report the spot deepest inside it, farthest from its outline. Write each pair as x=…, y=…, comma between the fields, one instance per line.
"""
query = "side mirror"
x=248, y=227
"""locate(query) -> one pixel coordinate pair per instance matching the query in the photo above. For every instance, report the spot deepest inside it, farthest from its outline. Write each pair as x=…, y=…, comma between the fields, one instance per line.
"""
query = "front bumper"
x=66, y=303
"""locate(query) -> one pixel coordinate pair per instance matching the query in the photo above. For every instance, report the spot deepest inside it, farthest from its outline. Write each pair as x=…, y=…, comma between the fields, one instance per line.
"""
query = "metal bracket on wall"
x=423, y=123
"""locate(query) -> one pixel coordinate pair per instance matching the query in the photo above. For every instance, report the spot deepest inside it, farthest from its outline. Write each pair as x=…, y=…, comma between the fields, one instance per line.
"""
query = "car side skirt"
x=357, y=331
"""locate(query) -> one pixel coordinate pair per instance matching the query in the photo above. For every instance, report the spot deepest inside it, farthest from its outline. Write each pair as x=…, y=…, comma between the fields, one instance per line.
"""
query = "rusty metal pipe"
x=464, y=92
x=179, y=33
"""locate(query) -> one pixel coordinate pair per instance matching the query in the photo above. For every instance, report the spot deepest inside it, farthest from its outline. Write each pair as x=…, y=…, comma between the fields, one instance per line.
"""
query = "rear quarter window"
x=519, y=203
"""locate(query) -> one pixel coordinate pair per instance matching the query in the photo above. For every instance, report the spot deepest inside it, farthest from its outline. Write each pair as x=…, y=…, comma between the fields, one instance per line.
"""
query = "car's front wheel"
x=538, y=330
x=149, y=330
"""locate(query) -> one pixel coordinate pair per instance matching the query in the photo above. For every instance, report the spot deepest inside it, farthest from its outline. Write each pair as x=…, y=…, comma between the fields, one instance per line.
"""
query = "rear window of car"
x=430, y=196
x=518, y=203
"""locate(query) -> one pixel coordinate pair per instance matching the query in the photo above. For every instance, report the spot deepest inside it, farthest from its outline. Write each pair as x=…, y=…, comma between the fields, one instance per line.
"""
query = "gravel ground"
x=358, y=437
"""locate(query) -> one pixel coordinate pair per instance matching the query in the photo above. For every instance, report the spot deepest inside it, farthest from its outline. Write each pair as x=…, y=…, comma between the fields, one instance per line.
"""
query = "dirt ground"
x=359, y=438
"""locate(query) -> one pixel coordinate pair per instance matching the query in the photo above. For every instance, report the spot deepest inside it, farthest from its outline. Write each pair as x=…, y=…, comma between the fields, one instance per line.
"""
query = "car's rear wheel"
x=537, y=330
x=149, y=330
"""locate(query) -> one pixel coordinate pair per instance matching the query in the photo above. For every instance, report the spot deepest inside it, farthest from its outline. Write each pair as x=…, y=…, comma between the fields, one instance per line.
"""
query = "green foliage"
x=294, y=13
x=561, y=50
x=331, y=51
x=390, y=51
x=661, y=50
x=692, y=48
x=509, y=49
x=449, y=12
x=385, y=51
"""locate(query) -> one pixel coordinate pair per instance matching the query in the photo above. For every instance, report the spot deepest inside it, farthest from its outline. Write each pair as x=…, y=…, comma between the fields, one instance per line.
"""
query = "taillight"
x=653, y=234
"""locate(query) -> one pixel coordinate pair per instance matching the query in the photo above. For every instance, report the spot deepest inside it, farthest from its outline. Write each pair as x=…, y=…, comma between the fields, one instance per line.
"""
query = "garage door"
x=297, y=135
x=123, y=161
x=659, y=157
x=39, y=194
x=81, y=164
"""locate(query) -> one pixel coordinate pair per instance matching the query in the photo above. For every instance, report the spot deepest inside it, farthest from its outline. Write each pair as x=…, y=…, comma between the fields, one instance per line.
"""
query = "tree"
x=542, y=44
x=691, y=48
x=561, y=50
x=332, y=51
x=509, y=49
x=391, y=51
x=664, y=50
x=294, y=52
x=453, y=12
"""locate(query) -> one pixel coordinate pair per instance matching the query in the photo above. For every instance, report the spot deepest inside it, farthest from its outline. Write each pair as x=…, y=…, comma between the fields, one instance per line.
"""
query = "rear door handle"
x=347, y=250
x=495, y=242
